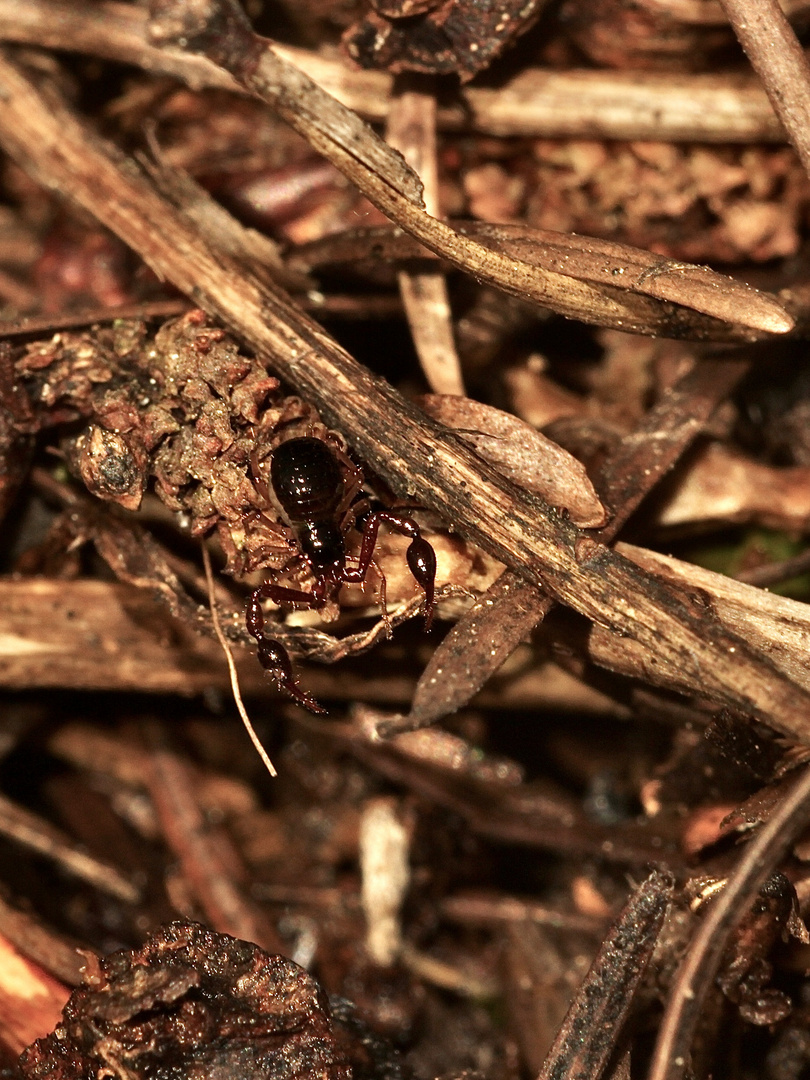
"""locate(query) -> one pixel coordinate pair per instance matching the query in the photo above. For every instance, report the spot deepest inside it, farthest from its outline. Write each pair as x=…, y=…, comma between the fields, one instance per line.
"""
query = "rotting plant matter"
x=604, y=844
x=188, y=416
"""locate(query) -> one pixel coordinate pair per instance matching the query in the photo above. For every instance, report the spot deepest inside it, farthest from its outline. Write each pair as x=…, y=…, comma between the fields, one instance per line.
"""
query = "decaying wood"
x=93, y=634
x=641, y=273
x=554, y=104
x=416, y=456
x=510, y=609
x=45, y=324
x=725, y=486
x=412, y=130
x=507, y=816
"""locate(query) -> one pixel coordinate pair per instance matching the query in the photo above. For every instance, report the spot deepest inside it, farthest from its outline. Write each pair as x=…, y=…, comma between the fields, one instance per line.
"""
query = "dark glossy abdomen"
x=321, y=543
x=307, y=479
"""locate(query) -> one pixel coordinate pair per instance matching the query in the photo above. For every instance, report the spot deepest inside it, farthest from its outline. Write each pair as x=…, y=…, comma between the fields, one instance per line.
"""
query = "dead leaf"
x=522, y=454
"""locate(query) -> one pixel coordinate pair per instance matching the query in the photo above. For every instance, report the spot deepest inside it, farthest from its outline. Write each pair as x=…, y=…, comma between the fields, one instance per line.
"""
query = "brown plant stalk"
x=781, y=63
x=722, y=108
x=417, y=456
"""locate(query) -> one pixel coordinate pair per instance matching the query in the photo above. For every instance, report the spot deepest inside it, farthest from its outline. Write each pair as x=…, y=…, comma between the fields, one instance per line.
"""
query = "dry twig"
x=775, y=53
x=416, y=456
x=553, y=104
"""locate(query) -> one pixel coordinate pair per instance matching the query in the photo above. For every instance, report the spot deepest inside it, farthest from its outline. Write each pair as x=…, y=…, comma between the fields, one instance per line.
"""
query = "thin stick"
x=779, y=60
x=226, y=648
